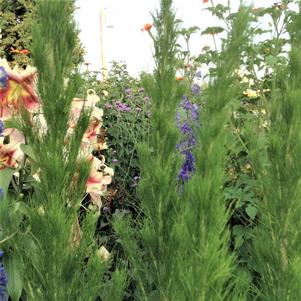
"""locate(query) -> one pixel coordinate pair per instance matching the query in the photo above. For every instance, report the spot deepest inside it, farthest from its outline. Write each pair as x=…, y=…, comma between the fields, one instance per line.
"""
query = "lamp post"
x=102, y=46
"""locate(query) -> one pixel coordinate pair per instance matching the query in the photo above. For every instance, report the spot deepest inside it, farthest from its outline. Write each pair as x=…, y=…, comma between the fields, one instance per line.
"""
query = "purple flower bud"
x=3, y=77
x=105, y=209
x=138, y=109
x=146, y=99
x=198, y=74
x=122, y=107
x=186, y=129
x=128, y=91
x=114, y=161
x=108, y=106
x=195, y=89
x=141, y=90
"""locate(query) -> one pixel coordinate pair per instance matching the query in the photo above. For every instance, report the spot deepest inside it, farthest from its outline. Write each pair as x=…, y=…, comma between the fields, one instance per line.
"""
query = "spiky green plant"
x=207, y=268
x=184, y=237
x=57, y=255
x=276, y=248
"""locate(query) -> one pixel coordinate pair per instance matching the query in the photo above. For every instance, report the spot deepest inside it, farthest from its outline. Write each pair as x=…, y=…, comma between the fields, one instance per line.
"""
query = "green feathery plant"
x=154, y=264
x=184, y=237
x=207, y=267
x=58, y=258
x=276, y=246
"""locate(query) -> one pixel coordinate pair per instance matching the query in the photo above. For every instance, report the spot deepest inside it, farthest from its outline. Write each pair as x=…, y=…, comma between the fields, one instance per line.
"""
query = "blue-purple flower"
x=186, y=118
x=198, y=74
x=3, y=77
x=122, y=107
x=3, y=280
x=128, y=91
x=188, y=166
x=1, y=128
x=195, y=89
x=186, y=129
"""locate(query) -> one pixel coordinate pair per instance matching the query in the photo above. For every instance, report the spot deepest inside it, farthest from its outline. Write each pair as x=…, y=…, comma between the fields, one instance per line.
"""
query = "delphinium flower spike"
x=185, y=147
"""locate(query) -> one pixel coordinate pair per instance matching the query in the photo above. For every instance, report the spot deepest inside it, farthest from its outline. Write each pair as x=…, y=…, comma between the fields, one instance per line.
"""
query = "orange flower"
x=23, y=51
x=205, y=1
x=147, y=27
x=179, y=78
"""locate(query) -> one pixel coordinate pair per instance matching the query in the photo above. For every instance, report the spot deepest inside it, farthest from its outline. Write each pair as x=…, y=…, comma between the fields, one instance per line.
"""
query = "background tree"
x=16, y=17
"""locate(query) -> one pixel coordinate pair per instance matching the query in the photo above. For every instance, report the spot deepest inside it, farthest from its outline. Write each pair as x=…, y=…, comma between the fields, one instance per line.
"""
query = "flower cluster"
x=17, y=89
x=132, y=102
x=122, y=107
x=186, y=117
x=3, y=280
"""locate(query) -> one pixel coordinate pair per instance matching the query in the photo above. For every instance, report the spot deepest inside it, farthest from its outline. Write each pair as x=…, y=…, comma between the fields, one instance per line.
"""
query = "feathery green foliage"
x=154, y=266
x=276, y=245
x=184, y=235
x=57, y=252
x=209, y=271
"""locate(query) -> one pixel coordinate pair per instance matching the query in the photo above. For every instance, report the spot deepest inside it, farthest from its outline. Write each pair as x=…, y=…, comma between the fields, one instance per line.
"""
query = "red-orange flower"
x=22, y=51
x=147, y=27
x=205, y=1
x=179, y=78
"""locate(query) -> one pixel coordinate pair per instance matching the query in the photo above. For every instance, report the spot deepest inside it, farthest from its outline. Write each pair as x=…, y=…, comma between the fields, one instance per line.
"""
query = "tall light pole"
x=102, y=46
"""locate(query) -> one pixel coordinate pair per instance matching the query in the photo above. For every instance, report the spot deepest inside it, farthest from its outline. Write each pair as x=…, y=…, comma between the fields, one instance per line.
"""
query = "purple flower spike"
x=195, y=89
x=141, y=90
x=3, y=280
x=185, y=147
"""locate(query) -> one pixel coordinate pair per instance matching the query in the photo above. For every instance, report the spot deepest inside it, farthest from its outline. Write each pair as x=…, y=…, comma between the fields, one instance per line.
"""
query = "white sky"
x=123, y=38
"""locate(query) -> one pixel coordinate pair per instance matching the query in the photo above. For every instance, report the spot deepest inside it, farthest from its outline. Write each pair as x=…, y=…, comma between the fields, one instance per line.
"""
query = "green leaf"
x=251, y=211
x=12, y=123
x=27, y=150
x=271, y=60
x=15, y=284
x=5, y=178
x=213, y=30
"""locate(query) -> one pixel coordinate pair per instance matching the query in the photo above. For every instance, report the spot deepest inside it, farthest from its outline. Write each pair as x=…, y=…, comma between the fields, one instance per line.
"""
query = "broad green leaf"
x=27, y=150
x=5, y=178
x=213, y=30
x=12, y=123
x=15, y=284
x=251, y=211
